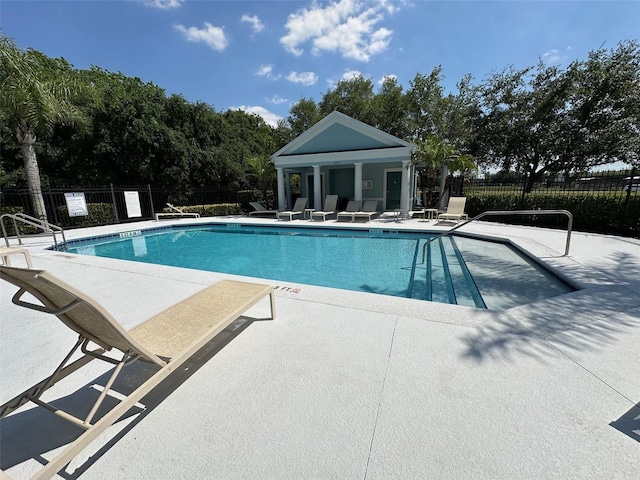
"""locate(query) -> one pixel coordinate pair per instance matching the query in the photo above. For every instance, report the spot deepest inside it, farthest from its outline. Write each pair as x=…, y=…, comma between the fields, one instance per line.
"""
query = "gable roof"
x=340, y=138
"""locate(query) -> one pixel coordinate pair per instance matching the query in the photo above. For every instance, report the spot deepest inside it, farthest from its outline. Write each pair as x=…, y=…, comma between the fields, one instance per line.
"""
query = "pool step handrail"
x=23, y=218
x=568, y=214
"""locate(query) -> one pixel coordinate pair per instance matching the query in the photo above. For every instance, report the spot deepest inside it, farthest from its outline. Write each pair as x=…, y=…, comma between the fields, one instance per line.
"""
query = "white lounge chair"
x=455, y=210
x=329, y=209
x=166, y=340
x=296, y=211
x=176, y=212
x=369, y=210
x=347, y=215
x=261, y=210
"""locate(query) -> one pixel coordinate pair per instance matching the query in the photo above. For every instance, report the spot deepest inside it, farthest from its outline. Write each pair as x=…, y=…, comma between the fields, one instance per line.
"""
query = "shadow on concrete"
x=629, y=423
x=33, y=433
x=586, y=320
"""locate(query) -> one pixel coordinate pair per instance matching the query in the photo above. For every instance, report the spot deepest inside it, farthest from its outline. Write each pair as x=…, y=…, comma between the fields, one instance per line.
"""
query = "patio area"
x=350, y=385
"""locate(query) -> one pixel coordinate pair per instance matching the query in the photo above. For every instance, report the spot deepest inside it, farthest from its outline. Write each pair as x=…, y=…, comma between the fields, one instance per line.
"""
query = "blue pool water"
x=377, y=261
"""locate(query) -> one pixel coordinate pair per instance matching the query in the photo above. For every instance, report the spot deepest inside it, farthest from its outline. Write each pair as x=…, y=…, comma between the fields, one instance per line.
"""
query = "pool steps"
x=450, y=280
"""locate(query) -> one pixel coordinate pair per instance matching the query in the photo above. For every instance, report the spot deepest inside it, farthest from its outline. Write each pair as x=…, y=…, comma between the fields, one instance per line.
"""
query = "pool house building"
x=342, y=156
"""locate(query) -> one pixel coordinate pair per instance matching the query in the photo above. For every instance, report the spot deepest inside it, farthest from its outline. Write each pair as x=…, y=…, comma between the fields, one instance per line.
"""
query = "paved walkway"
x=349, y=385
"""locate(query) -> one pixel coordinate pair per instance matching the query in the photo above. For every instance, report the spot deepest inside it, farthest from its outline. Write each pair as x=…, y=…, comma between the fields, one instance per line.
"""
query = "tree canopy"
x=535, y=120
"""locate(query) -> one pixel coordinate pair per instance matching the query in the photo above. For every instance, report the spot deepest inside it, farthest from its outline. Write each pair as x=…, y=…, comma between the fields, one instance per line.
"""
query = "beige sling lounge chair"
x=167, y=340
x=260, y=210
x=297, y=211
x=329, y=209
x=176, y=212
x=455, y=210
x=369, y=210
x=347, y=215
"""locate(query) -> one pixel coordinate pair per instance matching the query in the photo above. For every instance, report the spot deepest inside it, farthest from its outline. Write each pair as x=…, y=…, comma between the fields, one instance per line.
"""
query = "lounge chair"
x=347, y=215
x=455, y=210
x=329, y=209
x=166, y=340
x=176, y=212
x=6, y=251
x=296, y=211
x=369, y=210
x=261, y=210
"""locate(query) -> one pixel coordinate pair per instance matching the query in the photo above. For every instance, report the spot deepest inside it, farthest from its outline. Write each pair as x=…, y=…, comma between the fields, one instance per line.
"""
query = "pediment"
x=340, y=133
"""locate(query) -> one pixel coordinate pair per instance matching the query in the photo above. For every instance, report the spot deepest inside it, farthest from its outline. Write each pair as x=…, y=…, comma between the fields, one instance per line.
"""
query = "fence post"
x=153, y=212
x=115, y=204
x=626, y=200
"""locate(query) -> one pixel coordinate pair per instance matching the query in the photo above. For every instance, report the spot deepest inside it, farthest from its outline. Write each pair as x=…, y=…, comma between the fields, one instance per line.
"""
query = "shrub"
x=598, y=214
x=213, y=210
x=99, y=214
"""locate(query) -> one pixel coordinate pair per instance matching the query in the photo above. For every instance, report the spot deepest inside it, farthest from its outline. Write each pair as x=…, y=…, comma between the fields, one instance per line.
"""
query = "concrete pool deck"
x=345, y=384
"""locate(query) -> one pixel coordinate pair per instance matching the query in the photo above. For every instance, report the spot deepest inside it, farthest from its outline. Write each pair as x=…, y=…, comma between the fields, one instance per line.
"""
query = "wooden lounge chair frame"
x=167, y=340
x=330, y=208
x=296, y=211
x=455, y=210
x=176, y=212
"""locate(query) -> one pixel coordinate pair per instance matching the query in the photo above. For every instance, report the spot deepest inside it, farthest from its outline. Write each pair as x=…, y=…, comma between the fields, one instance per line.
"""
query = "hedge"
x=99, y=214
x=597, y=214
x=211, y=210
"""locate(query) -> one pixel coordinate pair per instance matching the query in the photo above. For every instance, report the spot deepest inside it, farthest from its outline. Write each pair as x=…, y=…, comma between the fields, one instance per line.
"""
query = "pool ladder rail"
x=24, y=219
x=567, y=213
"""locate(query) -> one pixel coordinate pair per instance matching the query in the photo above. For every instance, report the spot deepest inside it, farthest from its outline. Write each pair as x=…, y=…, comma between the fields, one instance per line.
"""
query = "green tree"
x=352, y=97
x=302, y=116
x=36, y=94
x=389, y=108
x=264, y=173
x=545, y=120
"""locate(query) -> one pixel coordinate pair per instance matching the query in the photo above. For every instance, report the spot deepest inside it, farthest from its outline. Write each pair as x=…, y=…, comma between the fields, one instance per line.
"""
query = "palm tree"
x=264, y=173
x=35, y=96
x=437, y=155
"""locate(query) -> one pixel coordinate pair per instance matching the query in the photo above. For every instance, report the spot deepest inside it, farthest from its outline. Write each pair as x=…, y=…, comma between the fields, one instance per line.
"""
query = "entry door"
x=394, y=185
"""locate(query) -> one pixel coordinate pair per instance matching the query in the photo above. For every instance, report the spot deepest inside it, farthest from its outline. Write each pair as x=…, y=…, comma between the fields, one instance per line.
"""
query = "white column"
x=357, y=182
x=404, y=186
x=317, y=189
x=280, y=173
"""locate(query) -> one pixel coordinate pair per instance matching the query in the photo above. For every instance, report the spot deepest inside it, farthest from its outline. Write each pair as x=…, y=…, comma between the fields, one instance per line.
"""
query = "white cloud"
x=267, y=72
x=270, y=118
x=347, y=75
x=255, y=22
x=305, y=78
x=277, y=100
x=390, y=76
x=350, y=74
x=163, y=4
x=552, y=56
x=346, y=26
x=213, y=36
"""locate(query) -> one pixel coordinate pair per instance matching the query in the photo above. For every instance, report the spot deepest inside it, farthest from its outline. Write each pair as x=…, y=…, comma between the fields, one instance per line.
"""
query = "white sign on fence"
x=76, y=204
x=132, y=202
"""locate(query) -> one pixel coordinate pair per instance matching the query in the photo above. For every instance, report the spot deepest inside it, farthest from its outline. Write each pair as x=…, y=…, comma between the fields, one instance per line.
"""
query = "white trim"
x=344, y=158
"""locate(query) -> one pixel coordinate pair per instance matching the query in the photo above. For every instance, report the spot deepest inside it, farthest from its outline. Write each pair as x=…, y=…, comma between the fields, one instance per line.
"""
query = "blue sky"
x=262, y=56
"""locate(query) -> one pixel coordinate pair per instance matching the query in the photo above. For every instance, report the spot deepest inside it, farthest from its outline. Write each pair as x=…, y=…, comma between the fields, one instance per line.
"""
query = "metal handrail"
x=46, y=227
x=508, y=212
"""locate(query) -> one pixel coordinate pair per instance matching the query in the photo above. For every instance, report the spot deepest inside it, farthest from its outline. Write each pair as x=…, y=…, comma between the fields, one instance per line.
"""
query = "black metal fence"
x=606, y=183
x=605, y=202
x=109, y=204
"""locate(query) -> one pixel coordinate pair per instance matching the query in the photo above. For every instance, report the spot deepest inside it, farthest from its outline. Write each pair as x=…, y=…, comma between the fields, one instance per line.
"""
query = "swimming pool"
x=456, y=269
